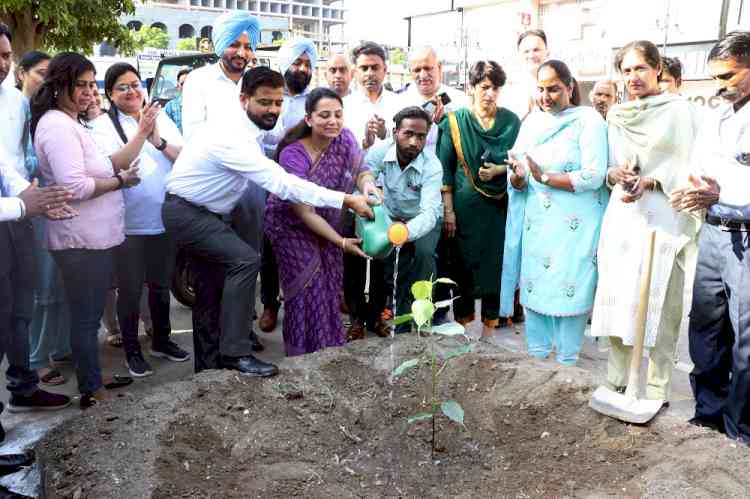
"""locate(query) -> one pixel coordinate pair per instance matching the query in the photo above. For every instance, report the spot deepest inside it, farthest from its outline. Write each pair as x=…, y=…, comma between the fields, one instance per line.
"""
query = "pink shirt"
x=68, y=156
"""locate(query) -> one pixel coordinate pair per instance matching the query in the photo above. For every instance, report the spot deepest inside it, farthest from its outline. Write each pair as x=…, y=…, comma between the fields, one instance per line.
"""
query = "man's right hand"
x=360, y=205
x=39, y=200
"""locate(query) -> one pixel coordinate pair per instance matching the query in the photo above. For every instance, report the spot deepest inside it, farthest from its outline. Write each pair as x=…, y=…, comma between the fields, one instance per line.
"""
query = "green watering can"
x=374, y=233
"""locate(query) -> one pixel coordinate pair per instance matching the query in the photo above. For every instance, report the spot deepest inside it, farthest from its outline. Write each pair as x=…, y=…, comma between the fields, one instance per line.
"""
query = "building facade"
x=319, y=20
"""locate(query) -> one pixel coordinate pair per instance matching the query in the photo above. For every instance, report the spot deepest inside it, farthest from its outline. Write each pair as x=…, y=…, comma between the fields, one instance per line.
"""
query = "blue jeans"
x=50, y=324
x=565, y=332
x=87, y=275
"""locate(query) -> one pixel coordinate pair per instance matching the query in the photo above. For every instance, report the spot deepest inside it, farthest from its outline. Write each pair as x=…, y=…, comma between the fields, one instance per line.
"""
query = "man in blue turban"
x=231, y=26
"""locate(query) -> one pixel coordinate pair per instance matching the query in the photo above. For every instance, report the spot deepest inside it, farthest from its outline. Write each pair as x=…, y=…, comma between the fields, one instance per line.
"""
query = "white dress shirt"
x=11, y=207
x=14, y=107
x=208, y=94
x=142, y=202
x=214, y=168
x=412, y=97
x=723, y=135
x=359, y=109
x=520, y=97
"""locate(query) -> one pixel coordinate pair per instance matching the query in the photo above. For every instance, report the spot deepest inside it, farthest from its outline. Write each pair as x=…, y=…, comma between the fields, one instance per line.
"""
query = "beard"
x=264, y=121
x=297, y=81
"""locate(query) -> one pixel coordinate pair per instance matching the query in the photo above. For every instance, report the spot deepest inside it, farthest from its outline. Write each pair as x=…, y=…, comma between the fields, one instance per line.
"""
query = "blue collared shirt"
x=412, y=194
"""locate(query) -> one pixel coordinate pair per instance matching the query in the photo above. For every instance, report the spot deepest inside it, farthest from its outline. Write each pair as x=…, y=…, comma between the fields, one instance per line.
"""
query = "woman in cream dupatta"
x=650, y=139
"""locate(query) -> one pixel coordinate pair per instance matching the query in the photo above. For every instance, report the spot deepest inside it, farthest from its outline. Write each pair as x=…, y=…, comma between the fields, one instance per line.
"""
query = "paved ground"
x=25, y=429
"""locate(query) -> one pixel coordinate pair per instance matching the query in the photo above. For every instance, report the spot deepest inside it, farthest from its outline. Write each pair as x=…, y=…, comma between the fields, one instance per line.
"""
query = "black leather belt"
x=728, y=224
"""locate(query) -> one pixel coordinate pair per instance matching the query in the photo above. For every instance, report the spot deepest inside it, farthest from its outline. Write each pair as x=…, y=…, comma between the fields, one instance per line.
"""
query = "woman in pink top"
x=82, y=247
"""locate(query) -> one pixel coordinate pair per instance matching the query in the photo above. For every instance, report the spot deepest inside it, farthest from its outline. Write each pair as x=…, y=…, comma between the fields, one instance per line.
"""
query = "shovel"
x=627, y=407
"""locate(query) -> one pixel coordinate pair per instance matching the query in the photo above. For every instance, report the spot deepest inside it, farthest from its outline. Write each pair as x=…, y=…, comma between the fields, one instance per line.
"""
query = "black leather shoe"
x=713, y=424
x=249, y=366
x=10, y=463
x=257, y=346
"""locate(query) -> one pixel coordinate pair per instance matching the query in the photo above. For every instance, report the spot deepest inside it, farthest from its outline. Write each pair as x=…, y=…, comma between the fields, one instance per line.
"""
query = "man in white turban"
x=297, y=60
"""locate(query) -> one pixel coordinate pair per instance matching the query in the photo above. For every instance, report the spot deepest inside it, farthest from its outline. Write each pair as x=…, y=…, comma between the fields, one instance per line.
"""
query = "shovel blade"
x=620, y=406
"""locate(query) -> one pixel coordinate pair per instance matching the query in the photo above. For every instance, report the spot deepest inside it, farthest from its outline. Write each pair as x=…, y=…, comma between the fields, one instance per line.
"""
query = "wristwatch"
x=545, y=178
x=161, y=146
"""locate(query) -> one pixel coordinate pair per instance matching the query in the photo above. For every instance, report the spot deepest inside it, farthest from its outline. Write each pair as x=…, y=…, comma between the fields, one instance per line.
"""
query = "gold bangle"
x=343, y=244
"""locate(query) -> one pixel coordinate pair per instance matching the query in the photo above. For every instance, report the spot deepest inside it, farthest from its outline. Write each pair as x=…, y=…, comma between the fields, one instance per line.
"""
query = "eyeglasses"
x=135, y=86
x=743, y=158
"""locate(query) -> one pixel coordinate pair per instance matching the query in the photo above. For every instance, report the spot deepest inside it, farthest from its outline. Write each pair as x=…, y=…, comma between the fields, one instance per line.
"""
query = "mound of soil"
x=333, y=424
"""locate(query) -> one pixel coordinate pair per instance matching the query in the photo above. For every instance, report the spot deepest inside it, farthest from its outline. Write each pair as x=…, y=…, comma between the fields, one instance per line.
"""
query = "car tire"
x=182, y=281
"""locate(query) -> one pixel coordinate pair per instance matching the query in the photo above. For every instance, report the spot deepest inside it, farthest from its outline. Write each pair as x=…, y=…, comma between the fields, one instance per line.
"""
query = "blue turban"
x=293, y=50
x=230, y=26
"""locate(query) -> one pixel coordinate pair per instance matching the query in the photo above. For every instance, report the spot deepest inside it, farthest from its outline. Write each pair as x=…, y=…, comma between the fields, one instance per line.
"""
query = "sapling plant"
x=422, y=311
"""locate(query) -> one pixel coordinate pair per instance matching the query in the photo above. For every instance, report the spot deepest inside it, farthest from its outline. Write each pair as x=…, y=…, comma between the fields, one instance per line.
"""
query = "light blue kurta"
x=552, y=234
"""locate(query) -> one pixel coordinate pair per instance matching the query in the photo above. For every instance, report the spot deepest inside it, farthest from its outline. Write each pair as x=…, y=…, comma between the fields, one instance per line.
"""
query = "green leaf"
x=448, y=329
x=453, y=411
x=445, y=280
x=404, y=366
x=400, y=319
x=419, y=417
x=445, y=303
x=422, y=311
x=422, y=290
x=458, y=352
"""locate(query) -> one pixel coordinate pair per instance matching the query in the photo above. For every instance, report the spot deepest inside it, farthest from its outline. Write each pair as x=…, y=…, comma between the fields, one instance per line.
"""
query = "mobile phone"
x=485, y=157
x=444, y=98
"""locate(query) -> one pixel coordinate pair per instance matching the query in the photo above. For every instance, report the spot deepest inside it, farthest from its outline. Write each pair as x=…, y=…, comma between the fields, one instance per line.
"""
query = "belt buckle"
x=724, y=224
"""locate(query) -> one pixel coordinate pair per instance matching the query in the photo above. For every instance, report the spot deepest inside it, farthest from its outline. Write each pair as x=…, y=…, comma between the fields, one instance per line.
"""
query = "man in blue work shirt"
x=411, y=177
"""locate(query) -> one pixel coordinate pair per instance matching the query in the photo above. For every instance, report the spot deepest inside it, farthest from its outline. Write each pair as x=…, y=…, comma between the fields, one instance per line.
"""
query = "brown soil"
x=334, y=425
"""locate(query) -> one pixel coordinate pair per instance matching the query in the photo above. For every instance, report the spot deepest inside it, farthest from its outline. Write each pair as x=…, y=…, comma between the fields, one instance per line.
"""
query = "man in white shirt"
x=427, y=89
x=14, y=110
x=339, y=74
x=206, y=183
x=719, y=329
x=209, y=94
x=369, y=110
x=520, y=96
x=211, y=91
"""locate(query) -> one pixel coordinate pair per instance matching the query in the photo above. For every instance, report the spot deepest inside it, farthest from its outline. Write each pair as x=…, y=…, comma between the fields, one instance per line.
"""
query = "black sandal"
x=88, y=401
x=118, y=382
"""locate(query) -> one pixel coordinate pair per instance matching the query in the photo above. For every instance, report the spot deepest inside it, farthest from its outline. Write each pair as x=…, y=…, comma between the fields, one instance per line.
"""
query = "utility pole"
x=723, y=18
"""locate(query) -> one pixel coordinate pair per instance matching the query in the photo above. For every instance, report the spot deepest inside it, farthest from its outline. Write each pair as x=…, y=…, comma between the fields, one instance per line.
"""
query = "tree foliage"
x=148, y=36
x=66, y=24
x=186, y=44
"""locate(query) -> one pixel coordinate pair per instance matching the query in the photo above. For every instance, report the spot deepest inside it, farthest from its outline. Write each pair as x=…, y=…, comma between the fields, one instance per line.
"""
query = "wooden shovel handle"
x=640, y=320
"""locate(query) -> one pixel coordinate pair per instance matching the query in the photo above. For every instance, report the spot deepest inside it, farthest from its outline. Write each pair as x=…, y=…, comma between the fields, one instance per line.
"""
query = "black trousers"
x=16, y=304
x=223, y=306
x=719, y=331
x=269, y=278
x=140, y=259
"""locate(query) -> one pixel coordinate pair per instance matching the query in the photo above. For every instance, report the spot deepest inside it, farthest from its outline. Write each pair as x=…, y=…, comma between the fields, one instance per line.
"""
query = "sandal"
x=355, y=332
x=118, y=381
x=115, y=340
x=52, y=377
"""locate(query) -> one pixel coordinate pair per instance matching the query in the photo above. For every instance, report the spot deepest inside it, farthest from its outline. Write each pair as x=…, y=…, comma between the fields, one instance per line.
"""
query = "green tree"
x=66, y=24
x=397, y=56
x=150, y=37
x=186, y=44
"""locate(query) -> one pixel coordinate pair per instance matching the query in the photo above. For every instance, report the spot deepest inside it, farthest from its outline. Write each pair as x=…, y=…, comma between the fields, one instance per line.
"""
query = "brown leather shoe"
x=355, y=332
x=382, y=329
x=268, y=320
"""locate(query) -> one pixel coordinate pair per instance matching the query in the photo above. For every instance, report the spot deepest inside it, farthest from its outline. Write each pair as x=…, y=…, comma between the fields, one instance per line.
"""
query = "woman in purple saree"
x=306, y=240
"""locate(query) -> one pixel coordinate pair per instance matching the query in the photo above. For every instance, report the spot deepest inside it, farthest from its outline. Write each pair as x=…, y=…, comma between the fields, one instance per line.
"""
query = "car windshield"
x=164, y=87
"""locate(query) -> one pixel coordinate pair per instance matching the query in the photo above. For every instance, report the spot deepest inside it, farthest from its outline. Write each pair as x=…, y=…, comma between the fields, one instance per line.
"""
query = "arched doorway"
x=134, y=25
x=161, y=26
x=206, y=32
x=186, y=31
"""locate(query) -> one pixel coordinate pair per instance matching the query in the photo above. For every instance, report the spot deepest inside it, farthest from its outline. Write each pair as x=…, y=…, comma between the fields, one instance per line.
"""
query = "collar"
x=362, y=96
x=392, y=157
x=414, y=92
x=220, y=75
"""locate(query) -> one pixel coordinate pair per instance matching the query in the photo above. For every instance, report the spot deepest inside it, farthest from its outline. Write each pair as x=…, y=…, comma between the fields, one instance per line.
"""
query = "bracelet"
x=162, y=145
x=343, y=243
x=120, y=181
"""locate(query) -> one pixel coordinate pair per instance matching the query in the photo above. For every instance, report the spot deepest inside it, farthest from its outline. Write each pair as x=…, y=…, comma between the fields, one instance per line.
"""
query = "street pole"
x=723, y=18
x=666, y=29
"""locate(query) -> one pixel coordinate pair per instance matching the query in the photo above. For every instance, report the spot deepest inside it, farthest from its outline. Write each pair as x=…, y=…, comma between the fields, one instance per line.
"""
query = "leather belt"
x=728, y=224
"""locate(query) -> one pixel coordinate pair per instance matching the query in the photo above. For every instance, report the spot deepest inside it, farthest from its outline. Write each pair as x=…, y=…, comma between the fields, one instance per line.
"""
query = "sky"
x=383, y=20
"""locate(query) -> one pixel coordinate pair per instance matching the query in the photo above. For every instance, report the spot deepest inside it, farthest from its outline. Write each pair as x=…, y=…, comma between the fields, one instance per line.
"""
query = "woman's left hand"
x=536, y=170
x=636, y=191
x=488, y=171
